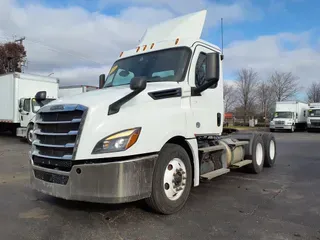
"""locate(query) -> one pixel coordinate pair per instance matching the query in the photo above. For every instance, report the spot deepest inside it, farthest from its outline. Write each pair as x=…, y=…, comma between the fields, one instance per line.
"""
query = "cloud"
x=76, y=43
x=283, y=52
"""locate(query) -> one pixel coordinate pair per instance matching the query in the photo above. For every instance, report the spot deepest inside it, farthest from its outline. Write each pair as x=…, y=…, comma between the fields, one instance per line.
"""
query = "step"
x=241, y=164
x=215, y=173
x=212, y=148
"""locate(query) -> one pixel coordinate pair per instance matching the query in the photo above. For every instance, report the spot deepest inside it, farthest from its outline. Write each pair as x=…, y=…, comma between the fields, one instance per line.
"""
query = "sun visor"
x=187, y=26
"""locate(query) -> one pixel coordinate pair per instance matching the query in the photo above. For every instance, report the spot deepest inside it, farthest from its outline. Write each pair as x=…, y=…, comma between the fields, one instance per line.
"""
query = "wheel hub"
x=175, y=179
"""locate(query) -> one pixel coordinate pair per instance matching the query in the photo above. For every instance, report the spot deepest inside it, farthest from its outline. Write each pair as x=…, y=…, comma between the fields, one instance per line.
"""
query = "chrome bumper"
x=286, y=127
x=112, y=182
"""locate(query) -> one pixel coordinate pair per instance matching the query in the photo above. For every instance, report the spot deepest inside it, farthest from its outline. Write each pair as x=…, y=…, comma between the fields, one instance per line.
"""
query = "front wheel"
x=30, y=134
x=172, y=180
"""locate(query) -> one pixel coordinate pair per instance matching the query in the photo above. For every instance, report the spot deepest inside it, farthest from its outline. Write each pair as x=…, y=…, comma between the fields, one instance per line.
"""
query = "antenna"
x=222, y=56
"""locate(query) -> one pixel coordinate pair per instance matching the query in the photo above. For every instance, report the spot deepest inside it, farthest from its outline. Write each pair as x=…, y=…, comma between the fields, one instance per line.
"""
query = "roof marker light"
x=144, y=47
x=152, y=45
x=138, y=48
x=177, y=41
x=121, y=54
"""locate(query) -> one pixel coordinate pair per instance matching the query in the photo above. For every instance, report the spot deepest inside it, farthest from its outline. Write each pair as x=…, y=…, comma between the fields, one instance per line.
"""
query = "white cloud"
x=268, y=53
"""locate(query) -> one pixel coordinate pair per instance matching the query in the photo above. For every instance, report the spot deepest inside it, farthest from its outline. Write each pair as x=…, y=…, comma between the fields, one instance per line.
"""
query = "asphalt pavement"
x=280, y=203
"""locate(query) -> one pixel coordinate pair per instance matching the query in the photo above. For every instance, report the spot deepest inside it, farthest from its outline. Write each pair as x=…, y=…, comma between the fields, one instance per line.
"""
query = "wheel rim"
x=272, y=150
x=292, y=128
x=175, y=178
x=259, y=154
x=30, y=135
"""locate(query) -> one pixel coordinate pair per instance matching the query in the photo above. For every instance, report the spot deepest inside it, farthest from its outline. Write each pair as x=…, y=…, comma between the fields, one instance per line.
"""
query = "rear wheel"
x=258, y=155
x=172, y=180
x=270, y=149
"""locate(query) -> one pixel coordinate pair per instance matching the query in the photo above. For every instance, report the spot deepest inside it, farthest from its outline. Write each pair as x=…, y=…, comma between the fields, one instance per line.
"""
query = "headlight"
x=272, y=123
x=117, y=142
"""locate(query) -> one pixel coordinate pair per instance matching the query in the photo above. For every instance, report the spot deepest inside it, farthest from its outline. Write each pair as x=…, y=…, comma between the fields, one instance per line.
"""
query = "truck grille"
x=279, y=122
x=315, y=122
x=57, y=131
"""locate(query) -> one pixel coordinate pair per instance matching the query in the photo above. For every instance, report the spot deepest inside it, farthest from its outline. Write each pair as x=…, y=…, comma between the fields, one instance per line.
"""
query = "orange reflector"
x=138, y=48
x=152, y=45
x=121, y=54
x=177, y=41
x=144, y=47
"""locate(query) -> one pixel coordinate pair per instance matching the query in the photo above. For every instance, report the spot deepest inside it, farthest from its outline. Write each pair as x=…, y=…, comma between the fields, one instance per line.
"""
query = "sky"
x=77, y=40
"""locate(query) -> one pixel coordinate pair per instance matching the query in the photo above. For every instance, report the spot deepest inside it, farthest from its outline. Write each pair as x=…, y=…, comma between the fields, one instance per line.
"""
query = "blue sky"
x=68, y=37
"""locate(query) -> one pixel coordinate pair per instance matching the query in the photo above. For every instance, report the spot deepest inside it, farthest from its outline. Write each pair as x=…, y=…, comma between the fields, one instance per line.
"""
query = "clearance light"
x=138, y=48
x=121, y=54
x=152, y=45
x=144, y=47
x=177, y=41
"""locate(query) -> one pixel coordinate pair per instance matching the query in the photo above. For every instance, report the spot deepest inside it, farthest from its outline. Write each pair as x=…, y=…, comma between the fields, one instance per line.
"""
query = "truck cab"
x=152, y=130
x=28, y=108
x=313, y=120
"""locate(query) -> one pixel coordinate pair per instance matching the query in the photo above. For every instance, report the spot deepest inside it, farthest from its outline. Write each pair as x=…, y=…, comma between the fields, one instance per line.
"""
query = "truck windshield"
x=314, y=113
x=283, y=115
x=164, y=65
x=36, y=106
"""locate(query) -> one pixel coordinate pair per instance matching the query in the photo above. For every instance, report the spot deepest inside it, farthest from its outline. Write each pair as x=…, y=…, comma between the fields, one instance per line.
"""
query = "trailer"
x=75, y=89
x=289, y=115
x=17, y=95
x=152, y=131
x=313, y=120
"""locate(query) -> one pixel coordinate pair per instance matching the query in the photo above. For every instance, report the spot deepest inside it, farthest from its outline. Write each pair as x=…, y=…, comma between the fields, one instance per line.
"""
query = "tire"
x=258, y=155
x=159, y=200
x=29, y=134
x=270, y=152
x=292, y=128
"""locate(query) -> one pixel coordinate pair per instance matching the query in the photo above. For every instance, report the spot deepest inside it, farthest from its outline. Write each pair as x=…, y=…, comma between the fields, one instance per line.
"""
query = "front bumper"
x=285, y=127
x=313, y=126
x=111, y=182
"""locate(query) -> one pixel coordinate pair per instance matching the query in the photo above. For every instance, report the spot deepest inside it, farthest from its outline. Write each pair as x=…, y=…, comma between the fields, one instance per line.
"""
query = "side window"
x=304, y=113
x=200, y=76
x=26, y=105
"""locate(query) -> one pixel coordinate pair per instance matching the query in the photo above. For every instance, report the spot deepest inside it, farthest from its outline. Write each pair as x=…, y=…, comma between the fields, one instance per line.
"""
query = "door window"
x=201, y=68
x=26, y=105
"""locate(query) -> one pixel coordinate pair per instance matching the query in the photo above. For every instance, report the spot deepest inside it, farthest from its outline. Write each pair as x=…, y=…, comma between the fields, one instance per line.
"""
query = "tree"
x=246, y=85
x=229, y=96
x=313, y=92
x=266, y=99
x=12, y=55
x=284, y=85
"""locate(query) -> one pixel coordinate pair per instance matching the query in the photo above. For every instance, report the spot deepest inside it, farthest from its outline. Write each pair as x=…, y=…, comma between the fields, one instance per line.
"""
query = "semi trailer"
x=289, y=115
x=313, y=120
x=18, y=106
x=152, y=131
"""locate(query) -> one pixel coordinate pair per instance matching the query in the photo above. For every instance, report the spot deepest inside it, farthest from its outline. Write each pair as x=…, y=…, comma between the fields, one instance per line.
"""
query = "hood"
x=109, y=95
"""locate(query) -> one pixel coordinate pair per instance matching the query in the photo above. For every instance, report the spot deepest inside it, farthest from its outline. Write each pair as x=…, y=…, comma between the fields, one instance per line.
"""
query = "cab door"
x=207, y=107
x=25, y=110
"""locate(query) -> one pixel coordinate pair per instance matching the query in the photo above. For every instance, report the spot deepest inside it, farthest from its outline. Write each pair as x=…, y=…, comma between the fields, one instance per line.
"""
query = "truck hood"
x=105, y=97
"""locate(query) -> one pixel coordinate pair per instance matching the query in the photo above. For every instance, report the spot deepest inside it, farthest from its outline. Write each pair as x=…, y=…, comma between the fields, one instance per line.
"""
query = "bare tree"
x=246, y=86
x=284, y=85
x=313, y=92
x=266, y=99
x=229, y=96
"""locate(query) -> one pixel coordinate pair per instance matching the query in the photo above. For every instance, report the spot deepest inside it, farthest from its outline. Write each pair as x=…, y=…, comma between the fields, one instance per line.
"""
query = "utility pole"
x=20, y=40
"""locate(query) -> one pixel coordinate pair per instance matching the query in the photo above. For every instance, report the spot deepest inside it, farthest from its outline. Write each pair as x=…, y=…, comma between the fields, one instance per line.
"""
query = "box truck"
x=313, y=121
x=289, y=115
x=18, y=106
x=76, y=89
x=153, y=130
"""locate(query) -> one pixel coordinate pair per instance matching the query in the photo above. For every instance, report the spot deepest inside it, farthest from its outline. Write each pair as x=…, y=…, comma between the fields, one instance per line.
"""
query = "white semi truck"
x=152, y=131
x=18, y=106
x=313, y=121
x=65, y=91
x=289, y=115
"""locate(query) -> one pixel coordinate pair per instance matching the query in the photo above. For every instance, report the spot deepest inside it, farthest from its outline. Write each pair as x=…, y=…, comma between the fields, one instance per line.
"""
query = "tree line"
x=252, y=96
x=12, y=56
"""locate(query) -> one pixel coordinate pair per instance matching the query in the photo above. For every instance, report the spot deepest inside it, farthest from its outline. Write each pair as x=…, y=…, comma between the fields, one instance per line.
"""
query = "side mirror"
x=102, y=78
x=40, y=96
x=213, y=67
x=138, y=84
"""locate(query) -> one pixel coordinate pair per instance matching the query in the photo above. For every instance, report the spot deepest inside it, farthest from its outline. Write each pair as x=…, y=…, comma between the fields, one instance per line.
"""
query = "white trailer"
x=152, y=131
x=289, y=115
x=76, y=89
x=313, y=121
x=18, y=106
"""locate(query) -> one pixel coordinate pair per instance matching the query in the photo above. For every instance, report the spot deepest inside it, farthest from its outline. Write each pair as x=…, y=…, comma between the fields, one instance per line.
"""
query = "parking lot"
x=280, y=203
